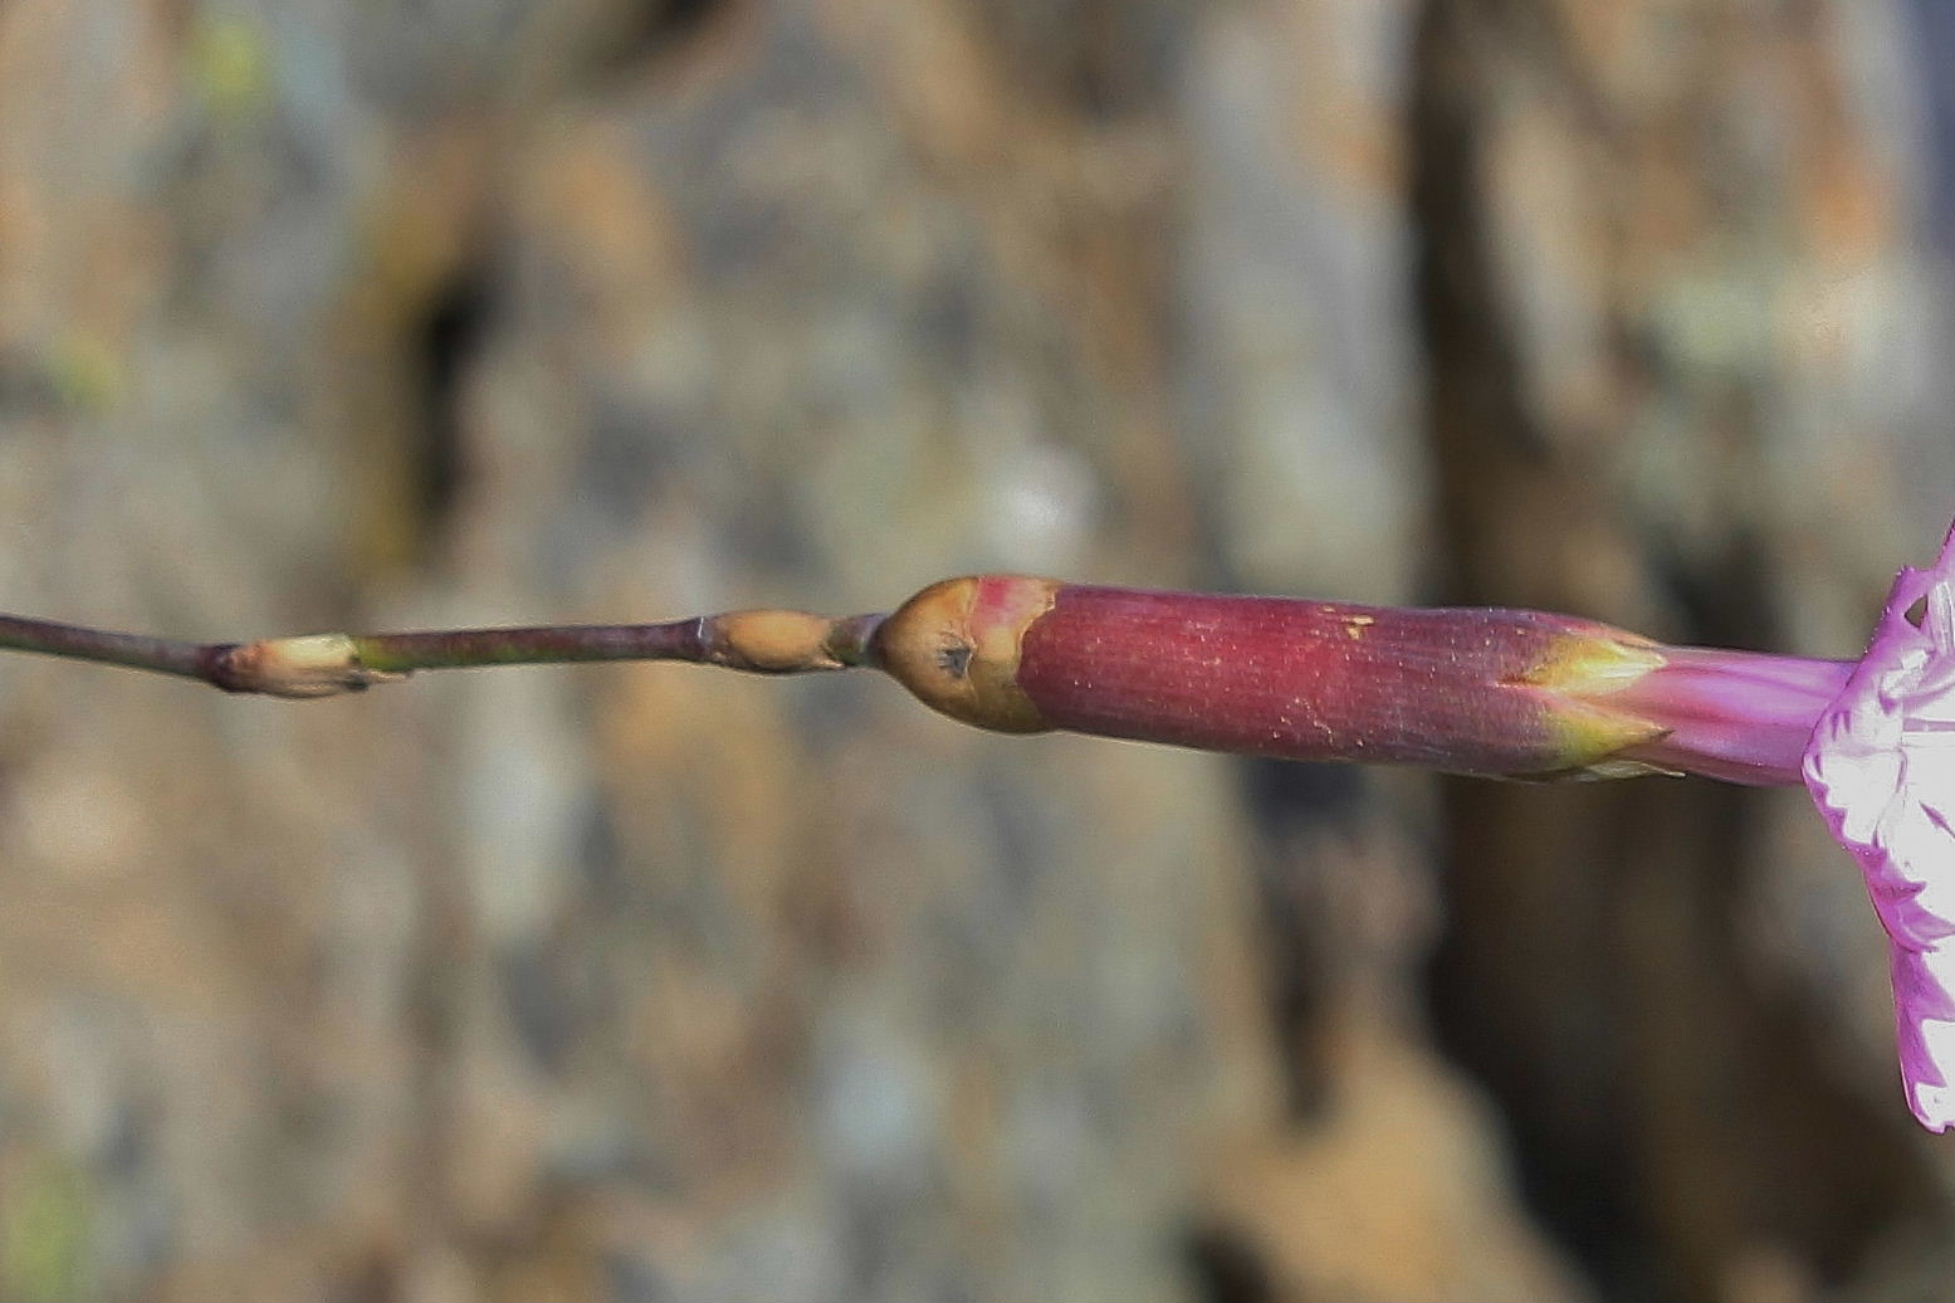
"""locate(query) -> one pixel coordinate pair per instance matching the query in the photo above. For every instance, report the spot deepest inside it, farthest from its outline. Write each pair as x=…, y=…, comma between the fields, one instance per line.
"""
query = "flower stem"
x=75, y=642
x=319, y=665
x=1518, y=694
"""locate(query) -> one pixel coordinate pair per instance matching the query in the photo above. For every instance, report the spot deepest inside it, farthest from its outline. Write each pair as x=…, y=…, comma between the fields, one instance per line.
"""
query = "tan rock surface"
x=650, y=982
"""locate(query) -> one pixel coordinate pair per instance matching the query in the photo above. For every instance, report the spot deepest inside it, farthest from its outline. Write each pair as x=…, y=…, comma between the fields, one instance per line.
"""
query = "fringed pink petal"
x=1881, y=767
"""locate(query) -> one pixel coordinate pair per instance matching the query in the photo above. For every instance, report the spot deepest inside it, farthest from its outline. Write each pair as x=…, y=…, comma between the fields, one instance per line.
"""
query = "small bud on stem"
x=956, y=647
x=311, y=665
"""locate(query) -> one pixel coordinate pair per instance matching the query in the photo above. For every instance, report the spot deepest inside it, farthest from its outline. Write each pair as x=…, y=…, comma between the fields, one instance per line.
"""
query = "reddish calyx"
x=1466, y=690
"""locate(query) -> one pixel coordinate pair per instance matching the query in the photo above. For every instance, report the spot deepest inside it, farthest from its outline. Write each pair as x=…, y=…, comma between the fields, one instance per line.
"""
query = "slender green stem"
x=317, y=665
x=137, y=651
x=400, y=653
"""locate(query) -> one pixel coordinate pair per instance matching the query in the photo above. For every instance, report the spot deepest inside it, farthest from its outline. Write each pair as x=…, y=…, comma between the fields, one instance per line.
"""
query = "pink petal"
x=1881, y=767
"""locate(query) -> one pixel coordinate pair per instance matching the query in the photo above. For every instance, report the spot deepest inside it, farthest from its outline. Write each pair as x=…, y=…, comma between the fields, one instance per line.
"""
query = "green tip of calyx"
x=1595, y=664
x=1576, y=678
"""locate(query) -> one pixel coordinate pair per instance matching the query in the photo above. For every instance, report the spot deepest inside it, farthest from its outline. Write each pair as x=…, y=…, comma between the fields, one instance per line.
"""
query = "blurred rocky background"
x=653, y=983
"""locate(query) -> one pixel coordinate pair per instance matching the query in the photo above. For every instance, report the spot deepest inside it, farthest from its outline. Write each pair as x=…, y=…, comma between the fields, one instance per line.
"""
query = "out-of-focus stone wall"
x=650, y=982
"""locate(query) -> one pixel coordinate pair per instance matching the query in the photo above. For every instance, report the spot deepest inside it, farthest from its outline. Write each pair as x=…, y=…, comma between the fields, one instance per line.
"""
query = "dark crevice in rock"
x=446, y=340
x=636, y=32
x=1292, y=805
x=1669, y=1114
x=1226, y=1269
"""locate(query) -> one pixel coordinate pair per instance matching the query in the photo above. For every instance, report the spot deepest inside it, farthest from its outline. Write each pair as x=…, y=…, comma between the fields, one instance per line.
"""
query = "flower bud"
x=1472, y=691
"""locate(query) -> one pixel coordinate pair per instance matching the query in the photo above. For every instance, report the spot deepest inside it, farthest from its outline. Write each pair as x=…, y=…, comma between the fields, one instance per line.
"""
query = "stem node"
x=311, y=665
